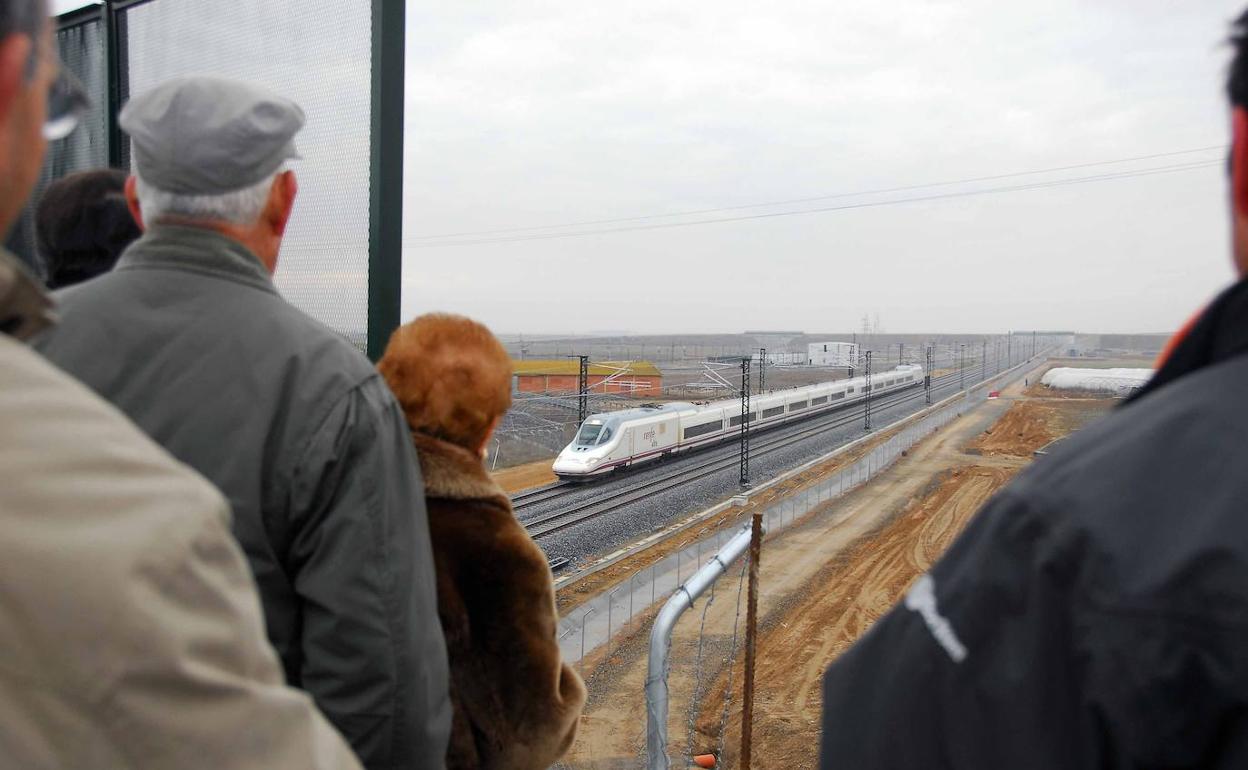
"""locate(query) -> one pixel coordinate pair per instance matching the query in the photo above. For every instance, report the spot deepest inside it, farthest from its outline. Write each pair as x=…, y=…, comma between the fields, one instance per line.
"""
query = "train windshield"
x=589, y=434
x=593, y=435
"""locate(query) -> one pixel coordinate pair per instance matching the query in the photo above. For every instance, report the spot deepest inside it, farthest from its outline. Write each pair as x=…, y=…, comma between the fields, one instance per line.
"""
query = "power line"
x=880, y=191
x=825, y=209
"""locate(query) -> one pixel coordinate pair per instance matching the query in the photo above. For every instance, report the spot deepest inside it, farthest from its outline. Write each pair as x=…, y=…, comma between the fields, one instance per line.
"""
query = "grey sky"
x=538, y=112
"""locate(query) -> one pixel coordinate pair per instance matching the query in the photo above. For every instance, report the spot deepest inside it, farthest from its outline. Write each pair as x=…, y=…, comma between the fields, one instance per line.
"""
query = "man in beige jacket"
x=130, y=630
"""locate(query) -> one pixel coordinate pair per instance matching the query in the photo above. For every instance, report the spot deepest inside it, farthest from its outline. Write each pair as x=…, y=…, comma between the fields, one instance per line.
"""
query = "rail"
x=716, y=461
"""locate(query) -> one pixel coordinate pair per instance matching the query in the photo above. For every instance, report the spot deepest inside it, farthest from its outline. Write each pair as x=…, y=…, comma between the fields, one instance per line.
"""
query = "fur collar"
x=452, y=472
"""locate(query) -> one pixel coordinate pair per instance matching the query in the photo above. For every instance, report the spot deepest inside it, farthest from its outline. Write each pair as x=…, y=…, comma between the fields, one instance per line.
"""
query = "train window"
x=737, y=420
x=797, y=405
x=819, y=400
x=772, y=412
x=851, y=390
x=704, y=428
x=839, y=396
x=589, y=434
x=605, y=437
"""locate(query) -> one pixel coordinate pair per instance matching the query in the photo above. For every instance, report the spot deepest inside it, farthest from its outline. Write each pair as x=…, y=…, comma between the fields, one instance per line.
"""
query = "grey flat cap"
x=210, y=136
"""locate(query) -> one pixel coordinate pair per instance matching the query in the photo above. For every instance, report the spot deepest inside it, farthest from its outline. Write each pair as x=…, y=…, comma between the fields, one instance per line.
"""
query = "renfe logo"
x=648, y=436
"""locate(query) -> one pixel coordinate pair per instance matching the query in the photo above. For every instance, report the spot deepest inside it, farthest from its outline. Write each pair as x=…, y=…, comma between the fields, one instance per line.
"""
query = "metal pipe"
x=661, y=644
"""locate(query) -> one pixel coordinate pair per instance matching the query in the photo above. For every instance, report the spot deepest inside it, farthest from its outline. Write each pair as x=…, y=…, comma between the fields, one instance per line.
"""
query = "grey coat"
x=190, y=339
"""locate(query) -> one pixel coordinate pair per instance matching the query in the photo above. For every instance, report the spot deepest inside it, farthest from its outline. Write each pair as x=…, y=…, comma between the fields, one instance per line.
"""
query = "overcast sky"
x=530, y=113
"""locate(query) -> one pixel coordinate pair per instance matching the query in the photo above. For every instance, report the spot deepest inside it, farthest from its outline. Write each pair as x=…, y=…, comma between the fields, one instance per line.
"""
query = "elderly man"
x=130, y=632
x=189, y=337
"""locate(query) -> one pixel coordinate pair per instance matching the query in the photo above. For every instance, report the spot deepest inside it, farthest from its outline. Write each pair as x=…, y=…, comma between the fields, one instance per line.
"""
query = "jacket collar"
x=196, y=250
x=1219, y=333
x=25, y=308
x=452, y=472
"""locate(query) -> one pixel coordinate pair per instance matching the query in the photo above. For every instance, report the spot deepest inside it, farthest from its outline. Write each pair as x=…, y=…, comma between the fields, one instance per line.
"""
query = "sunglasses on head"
x=67, y=99
x=67, y=104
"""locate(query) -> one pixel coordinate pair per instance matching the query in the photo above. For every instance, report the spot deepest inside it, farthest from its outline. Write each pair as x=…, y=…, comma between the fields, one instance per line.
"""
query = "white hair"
x=240, y=207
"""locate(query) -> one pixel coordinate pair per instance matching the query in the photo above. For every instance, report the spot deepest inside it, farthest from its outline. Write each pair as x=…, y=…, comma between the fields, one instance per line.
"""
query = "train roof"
x=640, y=412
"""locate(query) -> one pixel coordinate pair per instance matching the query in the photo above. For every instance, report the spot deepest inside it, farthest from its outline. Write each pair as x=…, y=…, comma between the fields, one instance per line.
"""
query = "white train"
x=615, y=440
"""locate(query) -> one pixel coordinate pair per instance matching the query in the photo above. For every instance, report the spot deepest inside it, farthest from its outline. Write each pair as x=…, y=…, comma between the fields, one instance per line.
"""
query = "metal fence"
x=343, y=62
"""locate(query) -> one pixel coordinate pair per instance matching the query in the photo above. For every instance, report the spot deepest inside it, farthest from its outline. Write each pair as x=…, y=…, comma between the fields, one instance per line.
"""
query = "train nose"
x=565, y=464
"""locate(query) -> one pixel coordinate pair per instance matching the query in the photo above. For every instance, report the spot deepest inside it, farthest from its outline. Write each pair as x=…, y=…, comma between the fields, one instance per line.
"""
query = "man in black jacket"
x=1095, y=613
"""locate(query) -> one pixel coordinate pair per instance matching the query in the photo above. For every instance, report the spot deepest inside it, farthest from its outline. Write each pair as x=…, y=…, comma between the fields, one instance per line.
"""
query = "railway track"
x=531, y=497
x=555, y=521
x=523, y=501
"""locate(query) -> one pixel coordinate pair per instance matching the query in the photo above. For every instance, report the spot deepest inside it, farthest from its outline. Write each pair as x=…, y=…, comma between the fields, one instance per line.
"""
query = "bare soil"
x=1031, y=424
x=1023, y=430
x=844, y=599
x=521, y=477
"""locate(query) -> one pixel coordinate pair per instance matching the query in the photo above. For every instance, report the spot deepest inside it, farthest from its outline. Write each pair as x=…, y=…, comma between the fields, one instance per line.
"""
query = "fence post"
x=385, y=247
x=630, y=599
x=610, y=607
x=584, y=620
x=751, y=635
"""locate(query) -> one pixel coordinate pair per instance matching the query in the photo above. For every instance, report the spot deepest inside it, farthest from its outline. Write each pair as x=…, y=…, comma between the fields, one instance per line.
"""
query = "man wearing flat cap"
x=189, y=337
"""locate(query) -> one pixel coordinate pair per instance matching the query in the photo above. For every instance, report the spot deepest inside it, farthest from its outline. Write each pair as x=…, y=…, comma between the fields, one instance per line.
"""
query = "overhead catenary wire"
x=832, y=196
x=1135, y=173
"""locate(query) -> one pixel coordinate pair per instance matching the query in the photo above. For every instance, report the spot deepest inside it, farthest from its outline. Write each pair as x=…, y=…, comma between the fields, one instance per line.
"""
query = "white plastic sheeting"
x=1117, y=381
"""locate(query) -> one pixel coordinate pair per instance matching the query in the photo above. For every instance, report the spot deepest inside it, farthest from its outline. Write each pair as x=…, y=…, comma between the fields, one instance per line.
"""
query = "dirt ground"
x=521, y=477
x=1033, y=423
x=823, y=583
x=815, y=627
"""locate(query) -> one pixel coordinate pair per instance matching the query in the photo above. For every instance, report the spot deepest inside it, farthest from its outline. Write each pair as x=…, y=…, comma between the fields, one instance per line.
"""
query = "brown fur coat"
x=516, y=705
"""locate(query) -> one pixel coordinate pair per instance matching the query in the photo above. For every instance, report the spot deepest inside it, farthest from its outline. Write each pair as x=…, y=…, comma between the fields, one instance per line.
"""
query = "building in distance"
x=561, y=376
x=832, y=354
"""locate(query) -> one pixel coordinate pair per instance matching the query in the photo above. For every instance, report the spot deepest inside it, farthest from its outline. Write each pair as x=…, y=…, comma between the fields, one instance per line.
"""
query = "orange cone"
x=704, y=760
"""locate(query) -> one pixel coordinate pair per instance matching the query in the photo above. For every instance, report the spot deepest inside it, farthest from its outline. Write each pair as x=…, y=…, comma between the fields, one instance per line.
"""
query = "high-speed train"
x=616, y=440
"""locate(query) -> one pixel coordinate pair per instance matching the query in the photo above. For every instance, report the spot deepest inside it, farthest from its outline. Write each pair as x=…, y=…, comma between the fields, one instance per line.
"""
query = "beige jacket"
x=130, y=632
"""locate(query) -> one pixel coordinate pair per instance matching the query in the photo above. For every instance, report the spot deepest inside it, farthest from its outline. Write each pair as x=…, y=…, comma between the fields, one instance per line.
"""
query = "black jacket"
x=190, y=339
x=1095, y=613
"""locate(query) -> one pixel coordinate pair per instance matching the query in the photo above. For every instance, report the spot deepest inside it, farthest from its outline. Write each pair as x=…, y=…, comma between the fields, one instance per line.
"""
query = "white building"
x=782, y=359
x=832, y=354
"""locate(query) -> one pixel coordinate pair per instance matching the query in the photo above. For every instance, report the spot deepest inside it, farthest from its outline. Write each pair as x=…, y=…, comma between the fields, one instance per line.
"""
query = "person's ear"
x=281, y=202
x=14, y=54
x=132, y=201
x=489, y=434
x=1239, y=161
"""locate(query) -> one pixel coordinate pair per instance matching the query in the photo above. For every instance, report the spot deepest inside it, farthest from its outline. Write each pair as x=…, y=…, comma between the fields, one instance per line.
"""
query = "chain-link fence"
x=342, y=62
